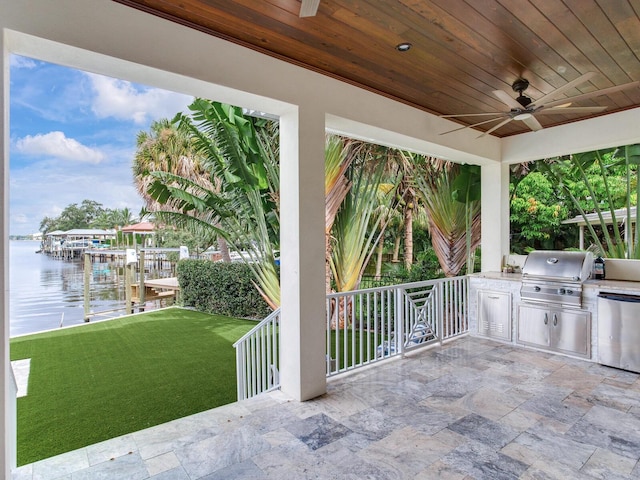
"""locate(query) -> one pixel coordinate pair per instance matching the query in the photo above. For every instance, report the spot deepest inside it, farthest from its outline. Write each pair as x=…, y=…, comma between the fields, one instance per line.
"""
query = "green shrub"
x=220, y=288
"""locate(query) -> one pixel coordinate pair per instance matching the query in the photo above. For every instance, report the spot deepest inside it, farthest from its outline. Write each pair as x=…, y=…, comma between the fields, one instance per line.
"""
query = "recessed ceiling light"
x=403, y=47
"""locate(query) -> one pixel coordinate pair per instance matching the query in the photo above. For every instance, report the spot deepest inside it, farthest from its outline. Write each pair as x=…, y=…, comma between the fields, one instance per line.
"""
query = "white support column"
x=495, y=215
x=302, y=331
x=7, y=405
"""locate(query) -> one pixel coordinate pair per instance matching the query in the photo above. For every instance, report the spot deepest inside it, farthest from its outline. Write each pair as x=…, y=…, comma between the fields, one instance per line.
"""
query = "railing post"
x=240, y=372
x=400, y=320
x=440, y=308
x=141, y=286
x=87, y=286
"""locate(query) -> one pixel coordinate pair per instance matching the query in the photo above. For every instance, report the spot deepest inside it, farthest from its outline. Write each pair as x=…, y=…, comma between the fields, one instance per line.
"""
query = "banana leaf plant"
x=242, y=152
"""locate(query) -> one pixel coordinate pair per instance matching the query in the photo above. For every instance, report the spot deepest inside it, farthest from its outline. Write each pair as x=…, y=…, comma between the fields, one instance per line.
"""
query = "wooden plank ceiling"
x=461, y=50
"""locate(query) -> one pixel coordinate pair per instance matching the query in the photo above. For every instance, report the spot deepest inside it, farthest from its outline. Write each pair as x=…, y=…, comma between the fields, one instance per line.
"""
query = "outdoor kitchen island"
x=497, y=311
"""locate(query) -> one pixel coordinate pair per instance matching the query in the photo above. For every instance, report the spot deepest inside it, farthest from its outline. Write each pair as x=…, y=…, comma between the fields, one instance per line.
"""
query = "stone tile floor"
x=472, y=409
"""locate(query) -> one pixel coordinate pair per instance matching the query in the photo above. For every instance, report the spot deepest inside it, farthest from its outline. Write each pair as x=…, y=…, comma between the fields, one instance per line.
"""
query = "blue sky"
x=73, y=137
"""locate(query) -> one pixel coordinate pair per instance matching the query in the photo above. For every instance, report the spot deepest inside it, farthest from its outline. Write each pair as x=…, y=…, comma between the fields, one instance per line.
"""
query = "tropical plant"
x=339, y=153
x=632, y=163
x=596, y=181
x=453, y=211
x=242, y=153
x=122, y=217
x=167, y=147
x=358, y=223
x=408, y=202
x=536, y=213
x=467, y=191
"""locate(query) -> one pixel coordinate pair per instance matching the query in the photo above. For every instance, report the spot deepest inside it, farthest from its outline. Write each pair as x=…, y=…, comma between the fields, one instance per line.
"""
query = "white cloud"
x=45, y=188
x=56, y=144
x=16, y=61
x=122, y=100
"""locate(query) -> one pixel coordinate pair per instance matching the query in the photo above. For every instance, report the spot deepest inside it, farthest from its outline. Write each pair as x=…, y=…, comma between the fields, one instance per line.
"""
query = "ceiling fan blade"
x=568, y=86
x=559, y=110
x=471, y=114
x=309, y=8
x=597, y=93
x=507, y=99
x=532, y=123
x=492, y=129
x=474, y=125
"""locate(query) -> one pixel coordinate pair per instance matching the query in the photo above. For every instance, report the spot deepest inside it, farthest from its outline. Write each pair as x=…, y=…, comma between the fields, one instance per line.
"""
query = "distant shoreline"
x=23, y=238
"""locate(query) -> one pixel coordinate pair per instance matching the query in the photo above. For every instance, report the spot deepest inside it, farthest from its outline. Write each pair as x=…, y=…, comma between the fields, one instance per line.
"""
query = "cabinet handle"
x=555, y=319
x=494, y=297
x=546, y=318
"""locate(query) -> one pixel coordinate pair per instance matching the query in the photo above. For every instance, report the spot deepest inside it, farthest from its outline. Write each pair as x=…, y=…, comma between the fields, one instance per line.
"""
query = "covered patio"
x=520, y=404
x=472, y=408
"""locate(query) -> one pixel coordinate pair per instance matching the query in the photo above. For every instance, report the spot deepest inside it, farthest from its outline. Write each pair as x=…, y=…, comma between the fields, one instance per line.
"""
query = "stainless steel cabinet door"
x=571, y=332
x=533, y=326
x=619, y=331
x=494, y=314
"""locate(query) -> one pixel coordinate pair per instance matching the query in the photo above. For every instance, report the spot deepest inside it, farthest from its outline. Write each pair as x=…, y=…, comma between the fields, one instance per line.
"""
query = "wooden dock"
x=155, y=290
x=137, y=289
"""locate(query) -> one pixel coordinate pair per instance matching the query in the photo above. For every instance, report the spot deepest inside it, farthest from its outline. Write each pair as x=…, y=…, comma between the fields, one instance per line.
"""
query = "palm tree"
x=403, y=163
x=121, y=217
x=242, y=206
x=167, y=148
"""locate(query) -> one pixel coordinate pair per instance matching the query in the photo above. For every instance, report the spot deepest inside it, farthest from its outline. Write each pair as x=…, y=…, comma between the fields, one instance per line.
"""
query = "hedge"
x=220, y=288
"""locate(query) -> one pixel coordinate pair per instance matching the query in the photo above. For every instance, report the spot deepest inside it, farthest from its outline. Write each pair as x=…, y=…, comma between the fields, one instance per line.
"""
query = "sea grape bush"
x=220, y=288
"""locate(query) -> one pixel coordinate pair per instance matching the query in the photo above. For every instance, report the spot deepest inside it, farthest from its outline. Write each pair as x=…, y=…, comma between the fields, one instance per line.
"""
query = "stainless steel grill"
x=555, y=277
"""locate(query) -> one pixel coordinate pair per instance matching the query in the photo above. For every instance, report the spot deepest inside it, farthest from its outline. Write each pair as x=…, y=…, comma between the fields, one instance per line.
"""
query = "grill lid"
x=558, y=265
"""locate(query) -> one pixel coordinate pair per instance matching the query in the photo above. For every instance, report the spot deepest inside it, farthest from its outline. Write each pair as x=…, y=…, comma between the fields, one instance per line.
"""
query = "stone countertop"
x=600, y=285
x=513, y=277
x=615, y=285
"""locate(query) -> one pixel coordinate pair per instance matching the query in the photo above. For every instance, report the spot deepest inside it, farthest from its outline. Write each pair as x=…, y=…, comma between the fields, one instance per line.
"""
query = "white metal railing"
x=258, y=358
x=366, y=326
x=362, y=327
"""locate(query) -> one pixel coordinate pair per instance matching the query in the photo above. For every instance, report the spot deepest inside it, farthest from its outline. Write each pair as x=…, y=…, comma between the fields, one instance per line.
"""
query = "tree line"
x=88, y=214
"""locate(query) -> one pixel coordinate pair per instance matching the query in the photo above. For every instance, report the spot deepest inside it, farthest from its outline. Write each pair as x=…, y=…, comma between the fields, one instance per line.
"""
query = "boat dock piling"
x=137, y=289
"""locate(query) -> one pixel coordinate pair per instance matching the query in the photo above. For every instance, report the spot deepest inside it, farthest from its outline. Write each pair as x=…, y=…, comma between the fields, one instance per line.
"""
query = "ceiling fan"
x=525, y=109
x=309, y=8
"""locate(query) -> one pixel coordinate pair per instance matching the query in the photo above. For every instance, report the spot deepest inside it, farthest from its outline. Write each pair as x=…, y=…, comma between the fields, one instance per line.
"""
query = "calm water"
x=45, y=292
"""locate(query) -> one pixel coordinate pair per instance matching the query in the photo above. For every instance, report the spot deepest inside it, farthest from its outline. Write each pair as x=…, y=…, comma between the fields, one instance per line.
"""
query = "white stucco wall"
x=8, y=418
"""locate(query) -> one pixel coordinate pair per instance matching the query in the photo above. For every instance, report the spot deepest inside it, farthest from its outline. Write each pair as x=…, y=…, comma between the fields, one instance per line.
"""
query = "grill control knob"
x=569, y=292
x=561, y=291
x=536, y=288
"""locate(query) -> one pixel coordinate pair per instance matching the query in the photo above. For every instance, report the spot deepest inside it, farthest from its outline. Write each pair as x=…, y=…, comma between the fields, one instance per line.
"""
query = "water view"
x=47, y=293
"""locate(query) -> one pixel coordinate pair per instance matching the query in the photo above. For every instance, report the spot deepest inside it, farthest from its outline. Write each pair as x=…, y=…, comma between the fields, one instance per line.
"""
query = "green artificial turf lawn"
x=99, y=381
